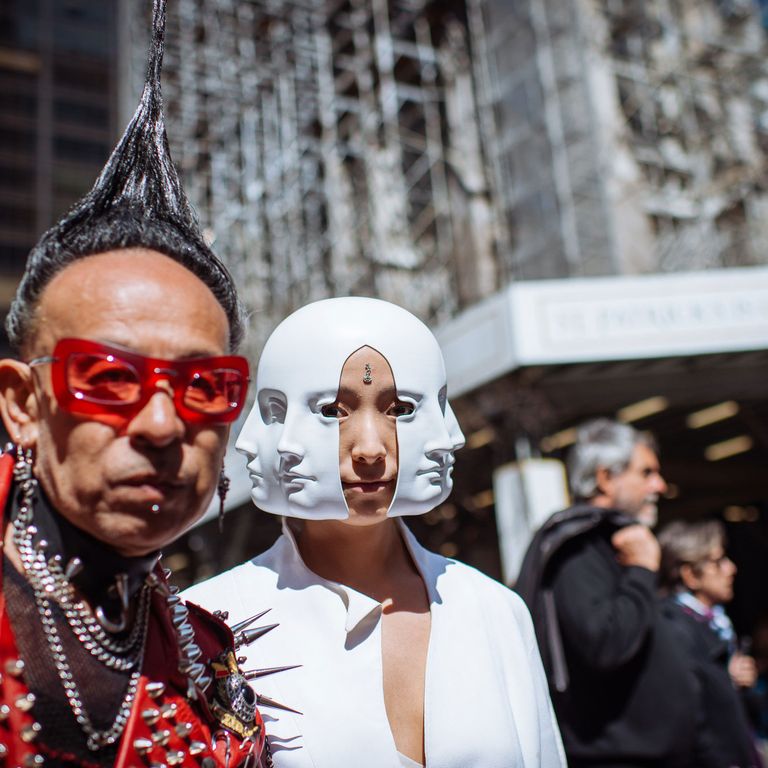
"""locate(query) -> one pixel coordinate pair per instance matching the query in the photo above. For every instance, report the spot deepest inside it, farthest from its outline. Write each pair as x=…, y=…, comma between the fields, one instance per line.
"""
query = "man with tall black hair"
x=119, y=407
x=622, y=692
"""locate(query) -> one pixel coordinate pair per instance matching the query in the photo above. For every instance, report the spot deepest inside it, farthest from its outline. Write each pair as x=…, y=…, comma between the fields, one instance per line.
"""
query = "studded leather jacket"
x=192, y=705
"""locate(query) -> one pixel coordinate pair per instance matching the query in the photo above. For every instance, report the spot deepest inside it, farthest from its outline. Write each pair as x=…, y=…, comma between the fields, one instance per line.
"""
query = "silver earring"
x=22, y=470
x=221, y=489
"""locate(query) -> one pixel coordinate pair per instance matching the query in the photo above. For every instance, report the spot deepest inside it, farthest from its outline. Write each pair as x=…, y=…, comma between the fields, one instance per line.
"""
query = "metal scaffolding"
x=430, y=151
x=331, y=148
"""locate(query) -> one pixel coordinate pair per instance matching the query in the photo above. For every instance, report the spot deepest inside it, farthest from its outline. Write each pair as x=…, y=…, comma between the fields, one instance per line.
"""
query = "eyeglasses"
x=91, y=379
x=718, y=562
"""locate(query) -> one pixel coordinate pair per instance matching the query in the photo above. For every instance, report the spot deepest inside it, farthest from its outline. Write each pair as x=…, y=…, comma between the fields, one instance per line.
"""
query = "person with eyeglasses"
x=697, y=575
x=118, y=405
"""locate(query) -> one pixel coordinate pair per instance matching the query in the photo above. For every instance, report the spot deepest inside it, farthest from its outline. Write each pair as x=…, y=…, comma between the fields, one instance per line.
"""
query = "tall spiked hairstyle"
x=136, y=202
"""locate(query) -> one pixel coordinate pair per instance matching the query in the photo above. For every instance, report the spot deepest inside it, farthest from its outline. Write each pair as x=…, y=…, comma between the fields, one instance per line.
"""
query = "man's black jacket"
x=534, y=583
x=622, y=689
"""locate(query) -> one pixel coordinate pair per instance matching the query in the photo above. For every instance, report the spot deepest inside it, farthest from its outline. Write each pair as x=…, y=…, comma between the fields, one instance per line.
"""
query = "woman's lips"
x=367, y=486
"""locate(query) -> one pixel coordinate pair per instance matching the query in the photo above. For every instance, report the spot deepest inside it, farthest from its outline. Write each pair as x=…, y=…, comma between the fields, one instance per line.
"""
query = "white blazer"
x=486, y=698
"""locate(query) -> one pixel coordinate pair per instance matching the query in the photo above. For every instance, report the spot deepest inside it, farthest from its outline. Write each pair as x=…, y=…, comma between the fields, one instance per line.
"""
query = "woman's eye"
x=330, y=411
x=401, y=409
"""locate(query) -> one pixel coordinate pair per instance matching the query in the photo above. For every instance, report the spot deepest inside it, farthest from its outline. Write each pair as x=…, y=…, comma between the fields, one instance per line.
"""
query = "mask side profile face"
x=429, y=437
x=293, y=450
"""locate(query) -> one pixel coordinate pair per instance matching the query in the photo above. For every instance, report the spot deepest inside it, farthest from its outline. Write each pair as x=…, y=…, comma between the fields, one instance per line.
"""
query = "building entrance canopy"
x=558, y=322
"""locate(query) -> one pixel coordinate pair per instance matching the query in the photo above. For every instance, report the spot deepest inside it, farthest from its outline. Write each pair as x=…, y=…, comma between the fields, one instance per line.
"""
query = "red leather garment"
x=165, y=726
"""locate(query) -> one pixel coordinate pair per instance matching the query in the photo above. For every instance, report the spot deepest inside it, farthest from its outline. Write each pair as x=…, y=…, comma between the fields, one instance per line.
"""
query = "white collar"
x=357, y=605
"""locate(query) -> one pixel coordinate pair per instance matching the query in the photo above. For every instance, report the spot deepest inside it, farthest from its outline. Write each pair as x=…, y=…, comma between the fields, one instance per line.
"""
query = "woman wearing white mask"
x=407, y=658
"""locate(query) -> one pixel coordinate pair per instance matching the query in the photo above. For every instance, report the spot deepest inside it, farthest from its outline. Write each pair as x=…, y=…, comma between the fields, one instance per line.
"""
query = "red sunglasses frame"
x=151, y=370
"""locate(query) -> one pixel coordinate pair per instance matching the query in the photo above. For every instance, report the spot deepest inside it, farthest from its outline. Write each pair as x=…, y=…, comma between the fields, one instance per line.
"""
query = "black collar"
x=100, y=562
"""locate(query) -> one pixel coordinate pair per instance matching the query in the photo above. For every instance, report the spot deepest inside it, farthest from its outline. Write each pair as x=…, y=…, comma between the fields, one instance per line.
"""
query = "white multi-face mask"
x=293, y=450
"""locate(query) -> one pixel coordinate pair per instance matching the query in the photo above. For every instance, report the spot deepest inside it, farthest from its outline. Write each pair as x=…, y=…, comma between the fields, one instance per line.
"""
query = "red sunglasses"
x=94, y=379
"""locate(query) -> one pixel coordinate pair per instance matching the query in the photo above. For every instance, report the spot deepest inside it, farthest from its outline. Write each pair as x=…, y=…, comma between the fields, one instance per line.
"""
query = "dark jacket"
x=723, y=739
x=621, y=689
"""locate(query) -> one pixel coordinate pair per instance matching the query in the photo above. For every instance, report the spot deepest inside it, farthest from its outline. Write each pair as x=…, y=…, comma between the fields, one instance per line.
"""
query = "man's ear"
x=18, y=402
x=603, y=479
x=688, y=577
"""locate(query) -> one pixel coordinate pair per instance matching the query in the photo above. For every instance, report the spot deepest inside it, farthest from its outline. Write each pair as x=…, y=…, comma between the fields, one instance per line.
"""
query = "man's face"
x=636, y=490
x=135, y=483
x=712, y=580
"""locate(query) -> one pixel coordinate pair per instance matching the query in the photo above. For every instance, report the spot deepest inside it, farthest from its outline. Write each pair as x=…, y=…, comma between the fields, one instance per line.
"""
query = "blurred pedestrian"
x=590, y=579
x=757, y=696
x=699, y=578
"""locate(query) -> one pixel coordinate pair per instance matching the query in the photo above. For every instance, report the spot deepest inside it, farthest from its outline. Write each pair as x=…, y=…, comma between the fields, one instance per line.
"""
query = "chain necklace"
x=49, y=582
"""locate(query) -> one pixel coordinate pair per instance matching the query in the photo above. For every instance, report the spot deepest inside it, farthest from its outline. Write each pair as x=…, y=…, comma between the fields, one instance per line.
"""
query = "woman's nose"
x=368, y=437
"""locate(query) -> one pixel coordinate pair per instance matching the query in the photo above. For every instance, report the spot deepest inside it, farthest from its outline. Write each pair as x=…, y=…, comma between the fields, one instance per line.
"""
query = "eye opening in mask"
x=331, y=411
x=398, y=409
x=401, y=409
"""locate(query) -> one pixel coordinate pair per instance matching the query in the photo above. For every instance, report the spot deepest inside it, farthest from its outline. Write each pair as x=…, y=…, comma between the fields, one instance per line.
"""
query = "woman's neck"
x=372, y=559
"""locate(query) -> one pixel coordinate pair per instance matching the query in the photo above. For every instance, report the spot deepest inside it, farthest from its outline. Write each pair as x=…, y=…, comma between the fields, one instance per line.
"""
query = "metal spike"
x=150, y=716
x=241, y=625
x=31, y=761
x=5, y=710
x=173, y=600
x=175, y=758
x=14, y=667
x=203, y=682
x=30, y=732
x=252, y=674
x=161, y=737
x=41, y=545
x=167, y=572
x=183, y=730
x=184, y=644
x=197, y=747
x=223, y=615
x=25, y=703
x=174, y=590
x=74, y=566
x=196, y=671
x=155, y=689
x=143, y=746
x=265, y=701
x=192, y=651
x=248, y=636
x=191, y=668
x=169, y=710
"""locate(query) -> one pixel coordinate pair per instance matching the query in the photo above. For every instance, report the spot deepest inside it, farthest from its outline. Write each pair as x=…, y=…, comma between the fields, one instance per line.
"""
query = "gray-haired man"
x=589, y=578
